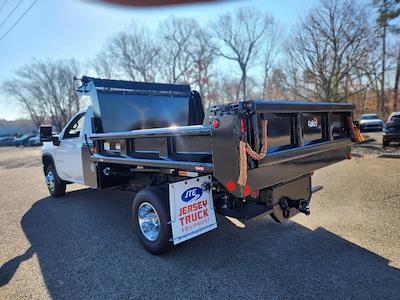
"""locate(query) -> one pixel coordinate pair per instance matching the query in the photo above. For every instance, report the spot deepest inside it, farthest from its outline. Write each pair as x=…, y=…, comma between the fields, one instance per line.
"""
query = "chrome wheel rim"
x=149, y=221
x=50, y=181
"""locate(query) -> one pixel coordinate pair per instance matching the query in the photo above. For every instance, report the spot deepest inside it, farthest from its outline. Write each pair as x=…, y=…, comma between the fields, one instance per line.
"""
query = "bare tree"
x=396, y=82
x=202, y=54
x=293, y=78
x=328, y=45
x=104, y=65
x=272, y=42
x=359, y=83
x=177, y=36
x=387, y=10
x=371, y=68
x=34, y=107
x=229, y=90
x=46, y=90
x=136, y=53
x=276, y=85
x=241, y=35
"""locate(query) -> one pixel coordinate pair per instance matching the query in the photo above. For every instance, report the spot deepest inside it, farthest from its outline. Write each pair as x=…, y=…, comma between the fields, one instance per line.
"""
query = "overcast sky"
x=79, y=28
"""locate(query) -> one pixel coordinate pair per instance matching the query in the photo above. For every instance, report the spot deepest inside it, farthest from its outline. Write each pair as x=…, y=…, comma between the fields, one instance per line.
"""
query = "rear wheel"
x=150, y=212
x=55, y=184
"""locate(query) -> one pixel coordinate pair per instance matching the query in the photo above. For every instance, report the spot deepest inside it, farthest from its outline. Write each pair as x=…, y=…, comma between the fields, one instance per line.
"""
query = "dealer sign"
x=192, y=208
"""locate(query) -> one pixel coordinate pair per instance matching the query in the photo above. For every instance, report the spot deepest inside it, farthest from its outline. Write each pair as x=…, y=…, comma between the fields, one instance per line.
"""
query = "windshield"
x=395, y=119
x=25, y=136
x=373, y=117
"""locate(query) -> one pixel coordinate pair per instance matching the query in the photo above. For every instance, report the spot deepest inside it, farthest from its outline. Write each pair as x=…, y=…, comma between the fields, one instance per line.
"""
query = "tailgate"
x=301, y=137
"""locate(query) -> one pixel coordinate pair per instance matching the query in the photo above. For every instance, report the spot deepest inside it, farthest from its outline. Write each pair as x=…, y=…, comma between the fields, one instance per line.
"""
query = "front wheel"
x=55, y=184
x=150, y=213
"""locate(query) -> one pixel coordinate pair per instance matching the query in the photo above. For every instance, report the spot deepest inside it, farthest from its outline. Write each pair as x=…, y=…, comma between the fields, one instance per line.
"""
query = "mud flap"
x=192, y=208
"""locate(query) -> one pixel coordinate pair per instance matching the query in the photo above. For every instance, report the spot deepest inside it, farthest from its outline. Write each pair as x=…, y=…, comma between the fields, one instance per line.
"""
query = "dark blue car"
x=391, y=130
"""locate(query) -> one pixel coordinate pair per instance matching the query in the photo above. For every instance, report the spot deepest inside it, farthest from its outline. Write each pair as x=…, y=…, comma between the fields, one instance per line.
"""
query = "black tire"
x=57, y=189
x=386, y=143
x=158, y=199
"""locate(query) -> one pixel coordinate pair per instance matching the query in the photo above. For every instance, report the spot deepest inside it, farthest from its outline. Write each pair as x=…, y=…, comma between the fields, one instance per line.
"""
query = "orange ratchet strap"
x=245, y=148
x=356, y=135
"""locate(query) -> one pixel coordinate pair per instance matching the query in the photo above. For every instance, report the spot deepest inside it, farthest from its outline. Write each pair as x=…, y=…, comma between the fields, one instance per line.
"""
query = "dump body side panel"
x=288, y=166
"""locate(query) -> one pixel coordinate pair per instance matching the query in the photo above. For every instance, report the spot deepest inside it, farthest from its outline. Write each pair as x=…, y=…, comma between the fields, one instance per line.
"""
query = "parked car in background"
x=23, y=140
x=391, y=130
x=395, y=114
x=370, y=122
x=35, y=141
x=7, y=141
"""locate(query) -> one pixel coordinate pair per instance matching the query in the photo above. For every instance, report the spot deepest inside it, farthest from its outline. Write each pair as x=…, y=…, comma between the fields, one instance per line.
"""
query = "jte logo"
x=192, y=194
x=313, y=123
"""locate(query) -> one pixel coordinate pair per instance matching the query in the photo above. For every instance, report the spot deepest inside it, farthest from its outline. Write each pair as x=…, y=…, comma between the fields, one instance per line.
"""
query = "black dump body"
x=301, y=136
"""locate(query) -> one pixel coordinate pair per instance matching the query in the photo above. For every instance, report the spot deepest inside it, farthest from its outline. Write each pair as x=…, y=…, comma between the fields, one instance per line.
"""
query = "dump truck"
x=185, y=166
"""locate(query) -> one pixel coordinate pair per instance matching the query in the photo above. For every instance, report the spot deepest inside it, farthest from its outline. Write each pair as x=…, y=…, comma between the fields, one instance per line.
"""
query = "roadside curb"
x=389, y=155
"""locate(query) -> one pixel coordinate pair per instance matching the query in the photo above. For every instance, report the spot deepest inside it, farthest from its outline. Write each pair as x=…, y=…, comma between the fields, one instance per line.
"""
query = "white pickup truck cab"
x=62, y=158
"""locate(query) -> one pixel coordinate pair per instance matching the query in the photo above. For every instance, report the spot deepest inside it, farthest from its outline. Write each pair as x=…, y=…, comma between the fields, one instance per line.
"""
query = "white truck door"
x=69, y=154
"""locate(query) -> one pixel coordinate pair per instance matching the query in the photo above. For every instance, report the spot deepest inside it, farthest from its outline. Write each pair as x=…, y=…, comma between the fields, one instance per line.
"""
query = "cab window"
x=75, y=127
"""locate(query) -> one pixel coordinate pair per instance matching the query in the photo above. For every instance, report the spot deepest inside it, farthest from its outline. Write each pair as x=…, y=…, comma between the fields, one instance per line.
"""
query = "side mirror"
x=56, y=140
x=46, y=133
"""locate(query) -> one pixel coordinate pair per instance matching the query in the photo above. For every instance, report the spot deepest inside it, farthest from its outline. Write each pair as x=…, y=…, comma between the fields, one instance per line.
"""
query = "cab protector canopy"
x=125, y=105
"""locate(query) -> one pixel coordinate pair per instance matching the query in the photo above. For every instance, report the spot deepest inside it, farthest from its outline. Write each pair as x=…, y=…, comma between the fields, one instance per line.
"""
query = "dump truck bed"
x=301, y=137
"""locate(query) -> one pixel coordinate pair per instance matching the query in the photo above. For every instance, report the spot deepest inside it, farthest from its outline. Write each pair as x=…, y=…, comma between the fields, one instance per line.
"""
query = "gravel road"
x=81, y=246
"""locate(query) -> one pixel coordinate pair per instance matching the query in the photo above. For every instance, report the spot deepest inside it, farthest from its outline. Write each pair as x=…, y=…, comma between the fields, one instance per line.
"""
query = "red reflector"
x=242, y=125
x=230, y=185
x=349, y=155
x=215, y=123
x=247, y=190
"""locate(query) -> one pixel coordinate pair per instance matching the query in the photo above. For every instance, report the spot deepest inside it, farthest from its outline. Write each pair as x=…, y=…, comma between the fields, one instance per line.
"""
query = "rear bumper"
x=395, y=137
x=371, y=127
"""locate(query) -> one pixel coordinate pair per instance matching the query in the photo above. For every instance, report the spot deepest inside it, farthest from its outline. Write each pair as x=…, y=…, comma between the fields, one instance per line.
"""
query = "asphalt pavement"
x=81, y=246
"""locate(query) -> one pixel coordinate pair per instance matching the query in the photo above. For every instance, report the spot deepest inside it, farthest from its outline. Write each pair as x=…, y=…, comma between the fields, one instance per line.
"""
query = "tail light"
x=247, y=190
x=230, y=185
x=215, y=123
